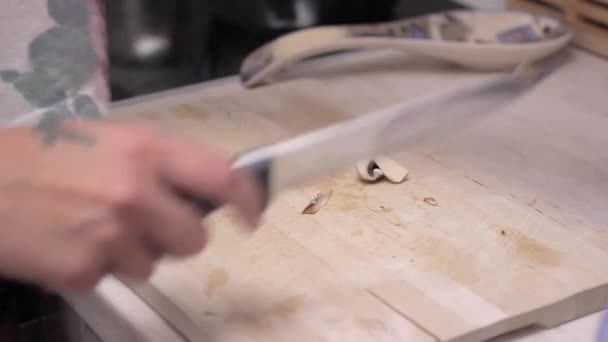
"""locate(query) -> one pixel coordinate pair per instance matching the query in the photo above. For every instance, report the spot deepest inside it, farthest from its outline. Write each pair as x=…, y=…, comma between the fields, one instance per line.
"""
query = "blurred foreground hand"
x=80, y=200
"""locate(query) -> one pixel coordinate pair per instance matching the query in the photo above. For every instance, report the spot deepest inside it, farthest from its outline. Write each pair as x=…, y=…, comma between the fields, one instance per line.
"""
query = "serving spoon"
x=477, y=39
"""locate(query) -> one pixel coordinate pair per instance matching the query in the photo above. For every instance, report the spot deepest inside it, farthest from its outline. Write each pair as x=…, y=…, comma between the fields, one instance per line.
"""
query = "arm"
x=83, y=198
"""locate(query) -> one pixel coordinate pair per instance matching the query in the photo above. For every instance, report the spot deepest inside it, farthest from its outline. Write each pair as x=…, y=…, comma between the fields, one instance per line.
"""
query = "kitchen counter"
x=573, y=102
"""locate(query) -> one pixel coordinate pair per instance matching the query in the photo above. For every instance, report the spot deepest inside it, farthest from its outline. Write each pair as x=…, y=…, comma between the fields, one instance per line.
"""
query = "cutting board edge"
x=166, y=309
x=553, y=315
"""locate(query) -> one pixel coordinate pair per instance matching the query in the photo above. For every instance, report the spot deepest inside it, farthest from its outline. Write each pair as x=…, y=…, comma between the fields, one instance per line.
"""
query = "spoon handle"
x=294, y=47
x=291, y=48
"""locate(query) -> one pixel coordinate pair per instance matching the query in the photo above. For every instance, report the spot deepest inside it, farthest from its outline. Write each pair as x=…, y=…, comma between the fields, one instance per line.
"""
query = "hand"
x=78, y=201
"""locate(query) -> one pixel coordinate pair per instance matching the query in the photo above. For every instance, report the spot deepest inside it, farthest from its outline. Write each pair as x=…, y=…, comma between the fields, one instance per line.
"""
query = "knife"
x=295, y=161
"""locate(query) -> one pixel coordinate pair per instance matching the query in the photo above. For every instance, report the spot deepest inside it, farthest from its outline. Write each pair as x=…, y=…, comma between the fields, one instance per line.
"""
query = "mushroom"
x=374, y=169
x=318, y=201
x=369, y=171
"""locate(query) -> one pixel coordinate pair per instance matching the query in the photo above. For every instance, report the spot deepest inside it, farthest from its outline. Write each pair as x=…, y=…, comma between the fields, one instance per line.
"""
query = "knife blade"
x=300, y=159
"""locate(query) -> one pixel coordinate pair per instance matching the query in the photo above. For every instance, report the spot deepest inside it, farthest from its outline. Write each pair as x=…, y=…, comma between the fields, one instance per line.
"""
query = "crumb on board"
x=431, y=201
x=319, y=200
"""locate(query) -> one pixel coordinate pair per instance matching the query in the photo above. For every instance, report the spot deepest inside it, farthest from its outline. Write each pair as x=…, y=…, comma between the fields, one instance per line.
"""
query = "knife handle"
x=260, y=170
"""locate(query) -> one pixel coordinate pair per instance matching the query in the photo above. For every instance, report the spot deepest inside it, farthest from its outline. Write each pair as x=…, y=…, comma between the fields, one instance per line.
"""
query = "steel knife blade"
x=303, y=158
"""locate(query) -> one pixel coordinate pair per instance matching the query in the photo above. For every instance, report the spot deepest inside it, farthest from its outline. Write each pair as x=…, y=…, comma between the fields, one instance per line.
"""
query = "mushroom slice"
x=392, y=170
x=372, y=170
x=318, y=201
x=369, y=171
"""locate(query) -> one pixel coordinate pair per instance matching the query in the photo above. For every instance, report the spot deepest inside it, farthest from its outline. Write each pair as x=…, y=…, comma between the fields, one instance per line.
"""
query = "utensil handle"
x=260, y=170
x=294, y=47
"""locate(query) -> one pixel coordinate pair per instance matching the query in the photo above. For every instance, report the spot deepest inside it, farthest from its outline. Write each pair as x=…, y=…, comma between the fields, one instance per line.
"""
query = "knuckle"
x=78, y=275
x=108, y=235
x=139, y=272
x=137, y=266
x=137, y=143
x=145, y=270
x=124, y=193
x=227, y=179
x=192, y=241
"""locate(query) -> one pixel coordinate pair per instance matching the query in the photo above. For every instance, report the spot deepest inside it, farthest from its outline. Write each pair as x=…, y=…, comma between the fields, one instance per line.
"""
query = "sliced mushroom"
x=369, y=171
x=318, y=201
x=373, y=170
x=392, y=170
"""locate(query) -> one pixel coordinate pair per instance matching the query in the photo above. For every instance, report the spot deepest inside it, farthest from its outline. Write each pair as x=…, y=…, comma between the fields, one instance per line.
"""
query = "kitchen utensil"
x=295, y=161
x=477, y=39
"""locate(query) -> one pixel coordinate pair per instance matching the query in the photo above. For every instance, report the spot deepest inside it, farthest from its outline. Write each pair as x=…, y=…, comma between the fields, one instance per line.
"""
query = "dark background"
x=205, y=39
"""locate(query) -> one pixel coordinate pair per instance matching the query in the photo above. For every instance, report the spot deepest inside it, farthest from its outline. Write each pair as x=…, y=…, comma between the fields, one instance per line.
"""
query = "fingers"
x=194, y=169
x=77, y=272
x=133, y=256
x=211, y=176
x=169, y=225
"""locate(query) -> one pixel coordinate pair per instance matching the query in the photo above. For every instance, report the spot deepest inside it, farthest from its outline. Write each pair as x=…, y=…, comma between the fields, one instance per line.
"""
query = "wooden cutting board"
x=378, y=263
